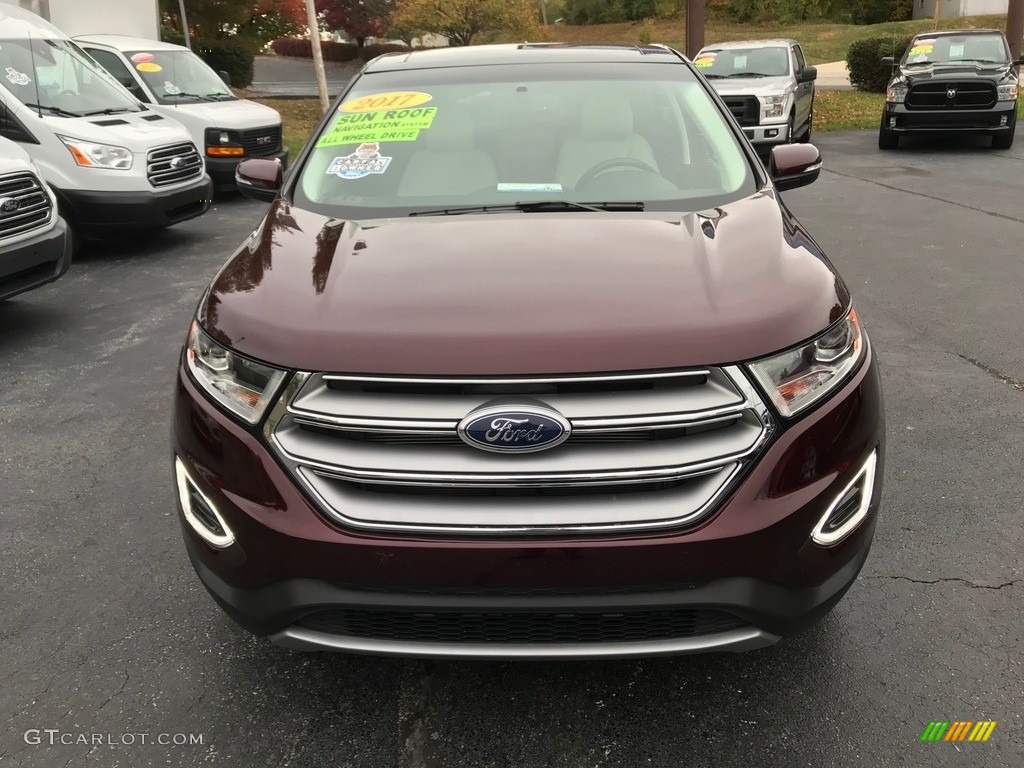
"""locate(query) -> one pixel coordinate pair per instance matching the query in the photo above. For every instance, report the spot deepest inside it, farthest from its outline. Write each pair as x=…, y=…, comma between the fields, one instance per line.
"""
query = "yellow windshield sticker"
x=922, y=47
x=384, y=125
x=381, y=101
x=705, y=60
x=148, y=66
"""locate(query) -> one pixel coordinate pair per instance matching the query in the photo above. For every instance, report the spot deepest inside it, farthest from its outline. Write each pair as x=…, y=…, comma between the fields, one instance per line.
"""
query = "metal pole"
x=1015, y=27
x=184, y=23
x=544, y=12
x=318, y=55
x=694, y=27
x=937, y=15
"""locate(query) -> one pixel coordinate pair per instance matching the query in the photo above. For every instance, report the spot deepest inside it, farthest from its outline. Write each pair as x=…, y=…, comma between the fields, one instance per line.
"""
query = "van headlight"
x=89, y=154
x=799, y=377
x=774, y=106
x=1007, y=92
x=241, y=385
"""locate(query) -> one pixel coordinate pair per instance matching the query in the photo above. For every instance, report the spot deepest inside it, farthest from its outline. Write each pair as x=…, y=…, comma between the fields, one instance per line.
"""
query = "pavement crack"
x=114, y=696
x=995, y=374
x=971, y=584
x=926, y=196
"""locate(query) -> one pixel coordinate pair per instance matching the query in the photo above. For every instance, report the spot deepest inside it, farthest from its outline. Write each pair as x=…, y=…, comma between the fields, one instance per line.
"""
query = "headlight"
x=243, y=386
x=773, y=105
x=896, y=94
x=91, y=155
x=1008, y=92
x=799, y=377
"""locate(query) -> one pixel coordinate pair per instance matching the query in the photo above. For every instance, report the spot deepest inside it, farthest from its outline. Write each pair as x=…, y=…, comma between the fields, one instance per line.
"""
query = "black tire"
x=1003, y=140
x=887, y=139
x=791, y=139
x=805, y=138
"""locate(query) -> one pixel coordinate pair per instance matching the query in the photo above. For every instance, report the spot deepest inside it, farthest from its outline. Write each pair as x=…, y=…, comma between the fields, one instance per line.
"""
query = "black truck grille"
x=527, y=627
x=262, y=141
x=24, y=204
x=952, y=95
x=173, y=163
x=746, y=109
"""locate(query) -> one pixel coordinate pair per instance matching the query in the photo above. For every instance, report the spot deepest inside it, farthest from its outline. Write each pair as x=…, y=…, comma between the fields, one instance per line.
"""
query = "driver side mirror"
x=888, y=61
x=807, y=75
x=259, y=179
x=225, y=76
x=794, y=165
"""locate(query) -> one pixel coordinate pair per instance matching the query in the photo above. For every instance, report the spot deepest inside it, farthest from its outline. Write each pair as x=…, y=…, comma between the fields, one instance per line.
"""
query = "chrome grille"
x=647, y=451
x=262, y=141
x=173, y=163
x=28, y=206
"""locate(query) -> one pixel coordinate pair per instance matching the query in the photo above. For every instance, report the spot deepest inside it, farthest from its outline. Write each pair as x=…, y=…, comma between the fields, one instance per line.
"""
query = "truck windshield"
x=767, y=61
x=177, y=76
x=57, y=77
x=951, y=49
x=641, y=136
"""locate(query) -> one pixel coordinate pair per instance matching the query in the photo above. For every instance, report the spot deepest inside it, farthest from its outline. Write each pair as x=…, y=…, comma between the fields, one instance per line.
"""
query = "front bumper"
x=767, y=135
x=752, y=561
x=222, y=169
x=999, y=119
x=102, y=215
x=35, y=262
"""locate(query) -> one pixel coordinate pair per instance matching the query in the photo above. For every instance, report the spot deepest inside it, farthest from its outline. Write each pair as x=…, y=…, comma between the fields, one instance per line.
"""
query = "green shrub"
x=864, y=60
x=902, y=10
x=233, y=59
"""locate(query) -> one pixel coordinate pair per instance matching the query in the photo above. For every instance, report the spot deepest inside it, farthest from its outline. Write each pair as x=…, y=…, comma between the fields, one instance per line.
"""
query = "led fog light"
x=850, y=506
x=200, y=512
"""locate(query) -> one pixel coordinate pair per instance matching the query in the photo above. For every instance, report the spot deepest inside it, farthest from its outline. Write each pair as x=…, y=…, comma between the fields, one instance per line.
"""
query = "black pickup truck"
x=958, y=81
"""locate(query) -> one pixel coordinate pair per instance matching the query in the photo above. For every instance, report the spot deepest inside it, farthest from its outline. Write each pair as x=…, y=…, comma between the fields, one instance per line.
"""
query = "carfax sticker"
x=383, y=125
x=17, y=78
x=149, y=66
x=365, y=161
x=171, y=89
x=389, y=100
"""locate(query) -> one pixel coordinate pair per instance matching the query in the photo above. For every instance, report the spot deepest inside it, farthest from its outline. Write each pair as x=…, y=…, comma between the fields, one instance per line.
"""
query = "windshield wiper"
x=219, y=95
x=749, y=74
x=184, y=95
x=107, y=111
x=709, y=76
x=537, y=206
x=54, y=110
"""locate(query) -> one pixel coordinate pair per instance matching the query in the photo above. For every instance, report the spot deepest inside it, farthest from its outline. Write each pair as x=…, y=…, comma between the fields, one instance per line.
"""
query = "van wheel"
x=887, y=139
x=1003, y=140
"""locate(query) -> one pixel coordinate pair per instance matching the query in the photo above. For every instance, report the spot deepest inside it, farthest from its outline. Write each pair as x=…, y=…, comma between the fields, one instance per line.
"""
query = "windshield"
x=772, y=61
x=644, y=135
x=57, y=77
x=949, y=49
x=176, y=76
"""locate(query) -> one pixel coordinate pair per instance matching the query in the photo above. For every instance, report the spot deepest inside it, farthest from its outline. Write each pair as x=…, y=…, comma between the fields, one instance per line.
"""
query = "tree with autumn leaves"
x=466, y=21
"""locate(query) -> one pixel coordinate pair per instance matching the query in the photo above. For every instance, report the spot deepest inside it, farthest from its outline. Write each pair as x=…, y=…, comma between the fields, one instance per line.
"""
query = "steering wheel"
x=615, y=162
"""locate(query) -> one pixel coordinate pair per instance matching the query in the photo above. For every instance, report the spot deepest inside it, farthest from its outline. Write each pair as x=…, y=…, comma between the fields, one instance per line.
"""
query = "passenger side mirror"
x=888, y=61
x=794, y=165
x=259, y=178
x=807, y=75
x=225, y=77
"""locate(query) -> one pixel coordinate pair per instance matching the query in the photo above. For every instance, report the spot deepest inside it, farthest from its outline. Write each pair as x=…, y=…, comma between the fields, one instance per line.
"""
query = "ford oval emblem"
x=9, y=205
x=514, y=428
x=177, y=163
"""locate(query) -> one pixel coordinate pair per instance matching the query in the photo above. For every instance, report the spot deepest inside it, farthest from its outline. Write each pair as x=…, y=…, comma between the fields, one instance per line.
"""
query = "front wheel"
x=806, y=138
x=887, y=139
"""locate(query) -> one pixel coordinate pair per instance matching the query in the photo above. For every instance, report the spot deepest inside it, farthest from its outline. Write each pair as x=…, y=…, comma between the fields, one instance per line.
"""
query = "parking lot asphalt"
x=107, y=632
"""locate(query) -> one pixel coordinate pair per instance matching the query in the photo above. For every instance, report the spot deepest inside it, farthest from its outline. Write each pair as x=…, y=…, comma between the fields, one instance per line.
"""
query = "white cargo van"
x=175, y=82
x=117, y=167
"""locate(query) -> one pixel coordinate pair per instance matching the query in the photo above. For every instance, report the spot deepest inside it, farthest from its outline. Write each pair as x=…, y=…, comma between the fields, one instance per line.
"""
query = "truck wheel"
x=887, y=139
x=806, y=138
x=792, y=129
x=1003, y=140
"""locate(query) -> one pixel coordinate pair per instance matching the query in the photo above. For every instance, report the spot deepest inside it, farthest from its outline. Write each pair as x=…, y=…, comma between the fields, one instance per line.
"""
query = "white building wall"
x=925, y=9
x=140, y=18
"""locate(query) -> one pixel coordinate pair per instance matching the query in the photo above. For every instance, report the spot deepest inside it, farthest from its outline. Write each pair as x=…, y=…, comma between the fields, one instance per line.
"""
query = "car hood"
x=752, y=86
x=240, y=114
x=538, y=293
x=959, y=71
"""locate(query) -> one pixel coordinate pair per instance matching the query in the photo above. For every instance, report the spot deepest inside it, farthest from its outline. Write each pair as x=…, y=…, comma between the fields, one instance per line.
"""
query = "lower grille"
x=528, y=627
x=24, y=205
x=958, y=95
x=173, y=164
x=746, y=109
x=262, y=141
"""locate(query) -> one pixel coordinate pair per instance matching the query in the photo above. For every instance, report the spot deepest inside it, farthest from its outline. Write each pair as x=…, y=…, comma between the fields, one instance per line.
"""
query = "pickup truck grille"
x=647, y=451
x=262, y=141
x=173, y=163
x=966, y=95
x=24, y=205
x=746, y=109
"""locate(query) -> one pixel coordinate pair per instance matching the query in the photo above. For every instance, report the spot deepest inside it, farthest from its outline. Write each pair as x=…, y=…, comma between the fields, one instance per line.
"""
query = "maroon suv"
x=528, y=359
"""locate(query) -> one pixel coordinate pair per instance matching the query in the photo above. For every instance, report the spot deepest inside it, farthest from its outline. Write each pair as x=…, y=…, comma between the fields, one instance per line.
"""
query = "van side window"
x=113, y=64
